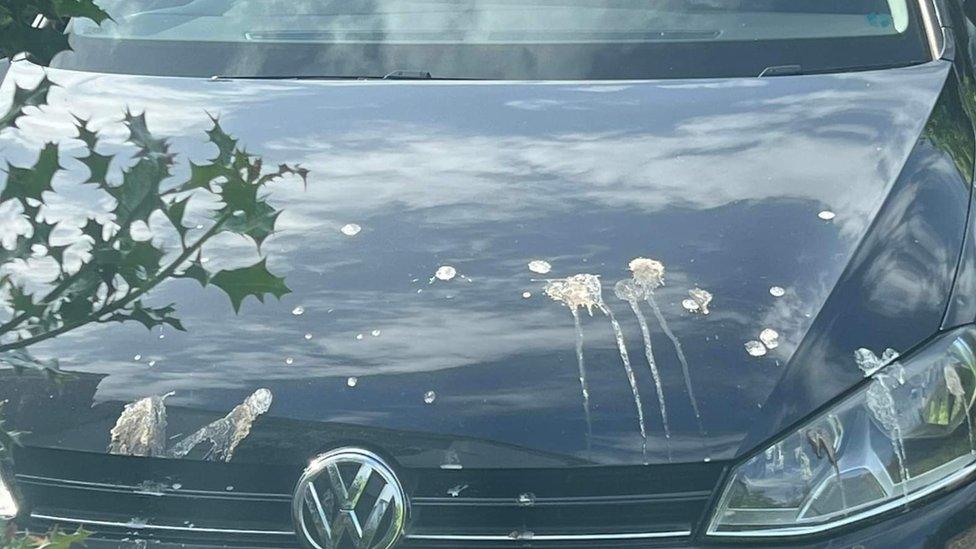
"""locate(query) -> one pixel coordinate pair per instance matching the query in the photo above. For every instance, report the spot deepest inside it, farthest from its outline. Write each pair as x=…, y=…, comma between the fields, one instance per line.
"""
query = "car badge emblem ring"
x=349, y=498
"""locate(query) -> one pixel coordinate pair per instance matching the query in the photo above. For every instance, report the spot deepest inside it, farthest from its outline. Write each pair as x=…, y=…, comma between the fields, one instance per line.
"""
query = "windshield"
x=496, y=39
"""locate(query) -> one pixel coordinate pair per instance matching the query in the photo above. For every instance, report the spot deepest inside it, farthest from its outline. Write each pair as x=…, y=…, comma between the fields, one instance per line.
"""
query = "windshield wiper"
x=393, y=75
x=408, y=75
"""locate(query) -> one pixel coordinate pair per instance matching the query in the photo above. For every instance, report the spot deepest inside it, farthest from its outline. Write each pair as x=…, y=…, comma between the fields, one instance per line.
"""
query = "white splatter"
x=350, y=229
x=352, y=381
x=698, y=302
x=649, y=272
x=225, y=434
x=298, y=311
x=755, y=348
x=539, y=266
x=777, y=291
x=826, y=215
x=881, y=403
x=769, y=338
x=430, y=397
x=444, y=273
x=141, y=428
x=869, y=363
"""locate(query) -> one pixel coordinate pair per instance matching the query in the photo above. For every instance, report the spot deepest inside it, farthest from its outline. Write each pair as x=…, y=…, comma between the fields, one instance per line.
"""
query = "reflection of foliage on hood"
x=55, y=539
x=118, y=268
x=36, y=27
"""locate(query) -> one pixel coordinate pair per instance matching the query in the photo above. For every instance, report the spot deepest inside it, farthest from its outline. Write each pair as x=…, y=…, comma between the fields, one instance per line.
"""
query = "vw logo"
x=349, y=498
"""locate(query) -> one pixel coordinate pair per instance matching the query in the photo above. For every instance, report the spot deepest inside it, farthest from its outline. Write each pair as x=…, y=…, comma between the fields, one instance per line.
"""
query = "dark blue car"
x=489, y=273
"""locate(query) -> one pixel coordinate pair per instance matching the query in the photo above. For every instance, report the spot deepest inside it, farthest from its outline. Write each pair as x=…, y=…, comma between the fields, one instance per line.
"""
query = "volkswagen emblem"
x=349, y=498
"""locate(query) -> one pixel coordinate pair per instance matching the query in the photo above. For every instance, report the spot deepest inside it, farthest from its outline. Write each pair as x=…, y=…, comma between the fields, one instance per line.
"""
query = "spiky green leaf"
x=255, y=281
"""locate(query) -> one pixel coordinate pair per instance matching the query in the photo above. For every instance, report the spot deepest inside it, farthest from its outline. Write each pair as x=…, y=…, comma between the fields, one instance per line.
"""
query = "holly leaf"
x=25, y=183
x=226, y=144
x=8, y=439
x=138, y=261
x=98, y=165
x=175, y=212
x=238, y=197
x=93, y=229
x=85, y=134
x=25, y=97
x=140, y=136
x=76, y=309
x=40, y=44
x=202, y=175
x=23, y=303
x=255, y=281
x=285, y=169
x=150, y=317
x=256, y=222
x=56, y=539
x=196, y=271
x=80, y=8
x=138, y=195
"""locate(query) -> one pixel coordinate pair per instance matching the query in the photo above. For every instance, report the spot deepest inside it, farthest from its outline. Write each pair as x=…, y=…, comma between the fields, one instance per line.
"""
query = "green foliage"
x=36, y=27
x=54, y=539
x=8, y=439
x=255, y=280
x=119, y=269
x=24, y=98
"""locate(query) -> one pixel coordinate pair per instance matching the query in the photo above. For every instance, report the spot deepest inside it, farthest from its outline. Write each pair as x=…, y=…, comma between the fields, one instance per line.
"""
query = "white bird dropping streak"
x=632, y=293
x=882, y=405
x=584, y=385
x=649, y=275
x=539, y=266
x=777, y=291
x=629, y=371
x=826, y=215
x=350, y=229
x=577, y=292
x=685, y=370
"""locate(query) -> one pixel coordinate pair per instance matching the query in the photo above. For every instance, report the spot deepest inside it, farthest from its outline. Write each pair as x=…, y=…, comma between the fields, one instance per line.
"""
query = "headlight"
x=905, y=434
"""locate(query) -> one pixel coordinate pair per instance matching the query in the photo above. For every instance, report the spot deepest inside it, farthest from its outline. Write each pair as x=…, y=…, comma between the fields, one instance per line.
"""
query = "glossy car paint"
x=722, y=180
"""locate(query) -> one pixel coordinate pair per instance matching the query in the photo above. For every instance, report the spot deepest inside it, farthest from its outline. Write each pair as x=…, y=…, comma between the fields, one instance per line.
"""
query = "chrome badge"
x=349, y=498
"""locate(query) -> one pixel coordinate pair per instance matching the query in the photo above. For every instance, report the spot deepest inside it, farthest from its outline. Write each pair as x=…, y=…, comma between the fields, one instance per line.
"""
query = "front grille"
x=243, y=505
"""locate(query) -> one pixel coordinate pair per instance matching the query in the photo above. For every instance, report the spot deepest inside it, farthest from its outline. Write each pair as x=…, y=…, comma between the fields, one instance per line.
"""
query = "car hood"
x=766, y=193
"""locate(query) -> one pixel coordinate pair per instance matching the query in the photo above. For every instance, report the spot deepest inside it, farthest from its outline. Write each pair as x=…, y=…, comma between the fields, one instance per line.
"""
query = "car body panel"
x=722, y=180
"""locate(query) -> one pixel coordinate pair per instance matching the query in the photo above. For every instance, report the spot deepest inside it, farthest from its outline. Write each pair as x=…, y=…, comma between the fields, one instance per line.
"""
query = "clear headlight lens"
x=907, y=433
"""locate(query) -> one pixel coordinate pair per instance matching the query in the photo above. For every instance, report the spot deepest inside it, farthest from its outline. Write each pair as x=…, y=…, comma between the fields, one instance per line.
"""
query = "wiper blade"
x=408, y=75
x=393, y=75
